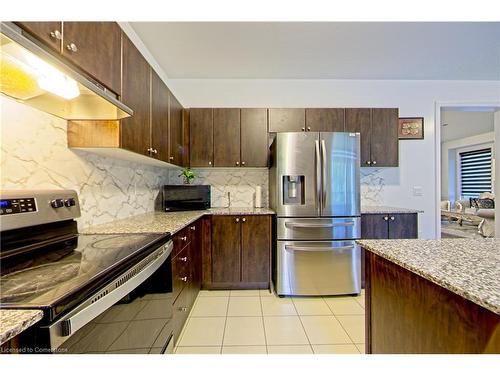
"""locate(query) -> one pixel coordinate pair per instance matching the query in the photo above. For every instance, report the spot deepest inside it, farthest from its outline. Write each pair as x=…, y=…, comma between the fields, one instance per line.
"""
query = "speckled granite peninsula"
x=432, y=296
x=161, y=222
x=469, y=268
x=13, y=322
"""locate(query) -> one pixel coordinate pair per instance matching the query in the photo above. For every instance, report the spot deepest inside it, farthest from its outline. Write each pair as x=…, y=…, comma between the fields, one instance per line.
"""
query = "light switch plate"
x=418, y=191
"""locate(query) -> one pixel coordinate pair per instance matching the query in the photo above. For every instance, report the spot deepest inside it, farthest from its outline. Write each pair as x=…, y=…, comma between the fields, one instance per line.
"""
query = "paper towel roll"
x=258, y=196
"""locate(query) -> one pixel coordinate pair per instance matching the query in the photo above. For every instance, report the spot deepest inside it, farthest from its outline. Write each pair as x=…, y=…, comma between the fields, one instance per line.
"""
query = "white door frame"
x=437, y=151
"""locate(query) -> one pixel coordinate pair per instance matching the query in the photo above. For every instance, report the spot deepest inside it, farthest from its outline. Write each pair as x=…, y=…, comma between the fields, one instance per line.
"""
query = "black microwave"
x=185, y=197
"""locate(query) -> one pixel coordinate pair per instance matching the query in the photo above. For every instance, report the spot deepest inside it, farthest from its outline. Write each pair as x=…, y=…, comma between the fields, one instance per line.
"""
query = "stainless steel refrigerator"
x=314, y=189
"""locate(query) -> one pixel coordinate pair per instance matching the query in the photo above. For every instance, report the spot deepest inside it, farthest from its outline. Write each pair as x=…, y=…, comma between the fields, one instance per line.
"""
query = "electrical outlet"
x=418, y=191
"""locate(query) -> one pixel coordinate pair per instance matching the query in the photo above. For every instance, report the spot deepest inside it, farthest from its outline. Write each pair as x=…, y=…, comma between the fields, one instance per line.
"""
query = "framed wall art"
x=411, y=128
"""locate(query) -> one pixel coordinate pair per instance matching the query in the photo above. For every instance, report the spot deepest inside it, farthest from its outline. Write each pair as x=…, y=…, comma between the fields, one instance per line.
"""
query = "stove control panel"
x=17, y=206
x=24, y=208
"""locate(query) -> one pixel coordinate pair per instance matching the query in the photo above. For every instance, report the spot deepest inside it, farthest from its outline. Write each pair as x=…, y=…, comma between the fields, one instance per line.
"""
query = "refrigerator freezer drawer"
x=318, y=229
x=318, y=268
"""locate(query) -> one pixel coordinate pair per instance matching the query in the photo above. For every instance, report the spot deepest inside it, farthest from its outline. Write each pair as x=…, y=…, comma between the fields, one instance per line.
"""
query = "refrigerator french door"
x=314, y=189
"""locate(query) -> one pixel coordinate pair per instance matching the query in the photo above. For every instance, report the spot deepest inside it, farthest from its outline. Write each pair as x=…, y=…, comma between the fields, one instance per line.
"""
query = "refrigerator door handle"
x=318, y=176
x=323, y=172
x=317, y=248
x=319, y=225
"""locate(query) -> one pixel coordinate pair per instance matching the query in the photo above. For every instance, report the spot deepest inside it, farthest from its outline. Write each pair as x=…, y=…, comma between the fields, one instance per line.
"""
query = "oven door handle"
x=121, y=286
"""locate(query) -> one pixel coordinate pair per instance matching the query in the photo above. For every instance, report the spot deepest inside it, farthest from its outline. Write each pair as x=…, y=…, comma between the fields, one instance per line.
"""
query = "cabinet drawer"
x=181, y=274
x=181, y=239
x=181, y=310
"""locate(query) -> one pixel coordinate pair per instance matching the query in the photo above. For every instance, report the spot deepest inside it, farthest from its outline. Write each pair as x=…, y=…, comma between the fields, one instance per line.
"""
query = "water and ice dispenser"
x=293, y=189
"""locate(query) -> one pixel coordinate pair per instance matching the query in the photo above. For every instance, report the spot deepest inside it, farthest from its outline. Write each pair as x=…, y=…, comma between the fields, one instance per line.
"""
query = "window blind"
x=475, y=172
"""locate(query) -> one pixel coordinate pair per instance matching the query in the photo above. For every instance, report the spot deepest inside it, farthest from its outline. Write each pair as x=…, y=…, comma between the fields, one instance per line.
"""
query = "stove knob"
x=70, y=202
x=56, y=203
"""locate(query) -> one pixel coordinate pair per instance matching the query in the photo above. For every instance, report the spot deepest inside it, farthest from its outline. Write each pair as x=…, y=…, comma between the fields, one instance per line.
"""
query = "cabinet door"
x=254, y=137
x=50, y=33
x=176, y=131
x=135, y=130
x=159, y=117
x=403, y=226
x=226, y=243
x=98, y=50
x=384, y=138
x=226, y=137
x=201, y=133
x=255, y=248
x=325, y=119
x=374, y=226
x=358, y=120
x=287, y=120
x=196, y=248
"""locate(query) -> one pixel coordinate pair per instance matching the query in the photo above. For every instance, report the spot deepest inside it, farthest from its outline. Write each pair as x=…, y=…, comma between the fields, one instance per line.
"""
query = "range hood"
x=33, y=75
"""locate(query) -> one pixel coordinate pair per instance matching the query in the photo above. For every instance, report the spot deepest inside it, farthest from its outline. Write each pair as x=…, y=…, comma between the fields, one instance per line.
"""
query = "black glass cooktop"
x=48, y=278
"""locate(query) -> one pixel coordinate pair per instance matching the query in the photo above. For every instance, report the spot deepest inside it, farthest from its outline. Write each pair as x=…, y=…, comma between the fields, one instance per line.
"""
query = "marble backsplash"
x=34, y=155
x=234, y=187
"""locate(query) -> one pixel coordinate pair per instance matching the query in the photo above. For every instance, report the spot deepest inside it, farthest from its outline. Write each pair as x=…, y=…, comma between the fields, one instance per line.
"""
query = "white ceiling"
x=462, y=124
x=334, y=50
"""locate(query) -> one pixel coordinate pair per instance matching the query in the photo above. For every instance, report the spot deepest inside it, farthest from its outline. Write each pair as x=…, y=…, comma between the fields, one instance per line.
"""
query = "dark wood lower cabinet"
x=255, y=243
x=408, y=314
x=226, y=251
x=386, y=226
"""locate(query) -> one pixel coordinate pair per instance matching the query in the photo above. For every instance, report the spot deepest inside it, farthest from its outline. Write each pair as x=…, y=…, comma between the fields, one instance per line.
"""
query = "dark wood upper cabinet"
x=201, y=133
x=255, y=245
x=135, y=130
x=159, y=118
x=176, y=132
x=287, y=120
x=254, y=137
x=49, y=33
x=379, y=134
x=226, y=261
x=226, y=127
x=384, y=137
x=95, y=47
x=325, y=119
x=358, y=120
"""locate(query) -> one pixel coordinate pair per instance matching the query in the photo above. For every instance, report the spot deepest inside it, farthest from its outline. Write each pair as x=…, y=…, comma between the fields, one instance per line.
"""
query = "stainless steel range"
x=99, y=293
x=314, y=189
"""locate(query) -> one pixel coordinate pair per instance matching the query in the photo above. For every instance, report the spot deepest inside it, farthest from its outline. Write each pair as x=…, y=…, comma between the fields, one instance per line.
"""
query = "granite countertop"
x=162, y=222
x=13, y=322
x=467, y=267
x=388, y=210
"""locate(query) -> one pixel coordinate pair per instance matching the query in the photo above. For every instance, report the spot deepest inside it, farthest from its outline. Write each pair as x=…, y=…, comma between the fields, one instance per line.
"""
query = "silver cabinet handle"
x=323, y=172
x=237, y=163
x=386, y=218
x=374, y=162
x=209, y=163
x=392, y=218
x=303, y=129
x=319, y=225
x=308, y=128
x=318, y=175
x=184, y=259
x=244, y=219
x=56, y=34
x=317, y=248
x=155, y=151
x=184, y=238
x=192, y=227
x=368, y=162
x=86, y=313
x=72, y=47
x=185, y=279
x=237, y=220
x=242, y=163
x=183, y=309
x=149, y=150
x=171, y=158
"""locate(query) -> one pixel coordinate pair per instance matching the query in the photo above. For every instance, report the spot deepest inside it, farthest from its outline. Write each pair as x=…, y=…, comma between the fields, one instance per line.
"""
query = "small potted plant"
x=188, y=175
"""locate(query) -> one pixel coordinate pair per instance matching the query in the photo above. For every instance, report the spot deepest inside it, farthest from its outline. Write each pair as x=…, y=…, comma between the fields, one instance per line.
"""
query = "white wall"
x=414, y=98
x=449, y=160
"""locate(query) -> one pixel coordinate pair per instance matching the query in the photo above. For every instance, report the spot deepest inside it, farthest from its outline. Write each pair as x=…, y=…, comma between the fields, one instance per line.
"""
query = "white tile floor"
x=258, y=322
